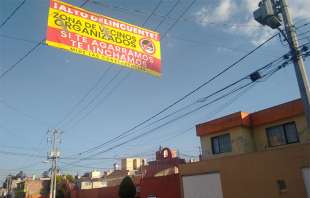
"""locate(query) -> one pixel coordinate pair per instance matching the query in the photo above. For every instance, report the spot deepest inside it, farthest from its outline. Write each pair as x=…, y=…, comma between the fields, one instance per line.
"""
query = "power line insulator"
x=305, y=48
x=286, y=56
x=255, y=76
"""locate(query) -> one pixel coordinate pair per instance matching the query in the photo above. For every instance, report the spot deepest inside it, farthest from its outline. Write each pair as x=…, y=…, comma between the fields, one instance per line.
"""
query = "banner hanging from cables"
x=97, y=36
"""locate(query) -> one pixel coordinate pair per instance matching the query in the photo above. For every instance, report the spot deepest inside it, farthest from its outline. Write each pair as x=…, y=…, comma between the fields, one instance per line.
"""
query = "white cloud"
x=251, y=5
x=226, y=12
x=220, y=13
x=250, y=30
x=300, y=8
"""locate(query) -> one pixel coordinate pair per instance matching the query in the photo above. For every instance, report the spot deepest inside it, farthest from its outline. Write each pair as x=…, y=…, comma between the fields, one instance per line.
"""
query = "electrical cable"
x=12, y=13
x=97, y=83
x=152, y=130
x=184, y=97
x=21, y=154
x=20, y=60
x=100, y=102
x=144, y=13
x=173, y=120
x=302, y=26
x=18, y=39
x=85, y=166
x=132, y=11
x=181, y=116
x=168, y=13
x=154, y=10
x=118, y=84
x=93, y=100
x=26, y=115
x=216, y=111
x=30, y=51
x=178, y=19
x=303, y=33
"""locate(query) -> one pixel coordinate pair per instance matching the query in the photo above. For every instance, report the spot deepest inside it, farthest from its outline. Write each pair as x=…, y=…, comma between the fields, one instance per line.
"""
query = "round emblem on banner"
x=147, y=46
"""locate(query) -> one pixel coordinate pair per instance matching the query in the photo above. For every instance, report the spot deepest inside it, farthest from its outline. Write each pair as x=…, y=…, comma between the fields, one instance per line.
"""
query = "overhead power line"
x=18, y=39
x=93, y=100
x=87, y=94
x=269, y=71
x=144, y=13
x=154, y=10
x=11, y=107
x=168, y=13
x=84, y=3
x=100, y=102
x=88, y=167
x=102, y=90
x=12, y=13
x=303, y=33
x=213, y=112
x=302, y=26
x=10, y=68
x=173, y=120
x=21, y=154
x=179, y=18
x=182, y=98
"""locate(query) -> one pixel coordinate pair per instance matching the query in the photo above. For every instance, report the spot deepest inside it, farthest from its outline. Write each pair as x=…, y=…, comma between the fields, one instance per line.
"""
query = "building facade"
x=261, y=154
x=243, y=132
x=132, y=164
x=32, y=188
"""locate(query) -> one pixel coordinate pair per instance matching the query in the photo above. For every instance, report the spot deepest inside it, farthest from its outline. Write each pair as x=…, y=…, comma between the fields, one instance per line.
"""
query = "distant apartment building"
x=11, y=185
x=158, y=178
x=261, y=154
x=166, y=163
x=32, y=188
x=132, y=164
x=91, y=180
x=3, y=192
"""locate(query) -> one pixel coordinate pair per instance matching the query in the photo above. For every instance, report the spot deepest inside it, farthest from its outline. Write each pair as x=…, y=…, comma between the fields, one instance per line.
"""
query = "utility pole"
x=267, y=14
x=300, y=70
x=54, y=154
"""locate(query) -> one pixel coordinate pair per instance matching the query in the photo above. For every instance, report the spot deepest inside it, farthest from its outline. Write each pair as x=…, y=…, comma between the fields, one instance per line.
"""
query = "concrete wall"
x=107, y=192
x=161, y=187
x=241, y=142
x=260, y=134
x=255, y=174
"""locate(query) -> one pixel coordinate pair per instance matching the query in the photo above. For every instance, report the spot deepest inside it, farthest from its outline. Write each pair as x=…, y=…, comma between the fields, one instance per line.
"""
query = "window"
x=135, y=166
x=221, y=144
x=282, y=134
x=282, y=185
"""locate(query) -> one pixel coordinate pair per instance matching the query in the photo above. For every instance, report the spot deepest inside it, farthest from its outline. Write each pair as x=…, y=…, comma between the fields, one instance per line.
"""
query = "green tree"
x=127, y=188
x=70, y=178
x=62, y=191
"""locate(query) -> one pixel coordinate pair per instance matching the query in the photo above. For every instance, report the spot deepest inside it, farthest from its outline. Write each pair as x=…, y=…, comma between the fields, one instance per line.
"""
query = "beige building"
x=91, y=180
x=34, y=188
x=243, y=132
x=261, y=154
x=86, y=183
x=132, y=164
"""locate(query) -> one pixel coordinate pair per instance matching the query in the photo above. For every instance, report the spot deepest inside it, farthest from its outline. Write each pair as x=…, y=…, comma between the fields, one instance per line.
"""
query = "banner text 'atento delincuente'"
x=101, y=37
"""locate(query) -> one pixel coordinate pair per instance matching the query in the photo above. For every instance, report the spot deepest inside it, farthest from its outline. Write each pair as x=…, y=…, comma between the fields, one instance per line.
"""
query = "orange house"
x=260, y=154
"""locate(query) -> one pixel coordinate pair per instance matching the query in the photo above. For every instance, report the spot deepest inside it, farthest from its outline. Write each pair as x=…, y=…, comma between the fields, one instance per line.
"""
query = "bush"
x=127, y=188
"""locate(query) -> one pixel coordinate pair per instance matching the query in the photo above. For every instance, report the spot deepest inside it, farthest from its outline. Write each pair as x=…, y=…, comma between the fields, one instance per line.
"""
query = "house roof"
x=244, y=119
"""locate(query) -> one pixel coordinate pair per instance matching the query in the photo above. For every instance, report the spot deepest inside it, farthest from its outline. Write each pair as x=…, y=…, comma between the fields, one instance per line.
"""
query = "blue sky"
x=42, y=89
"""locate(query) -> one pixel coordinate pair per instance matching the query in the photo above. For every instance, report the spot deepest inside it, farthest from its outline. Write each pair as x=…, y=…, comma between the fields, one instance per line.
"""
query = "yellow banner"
x=101, y=37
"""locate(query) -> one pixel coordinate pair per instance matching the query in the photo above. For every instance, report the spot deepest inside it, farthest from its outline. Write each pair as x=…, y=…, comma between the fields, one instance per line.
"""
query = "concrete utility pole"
x=54, y=154
x=300, y=70
x=267, y=14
